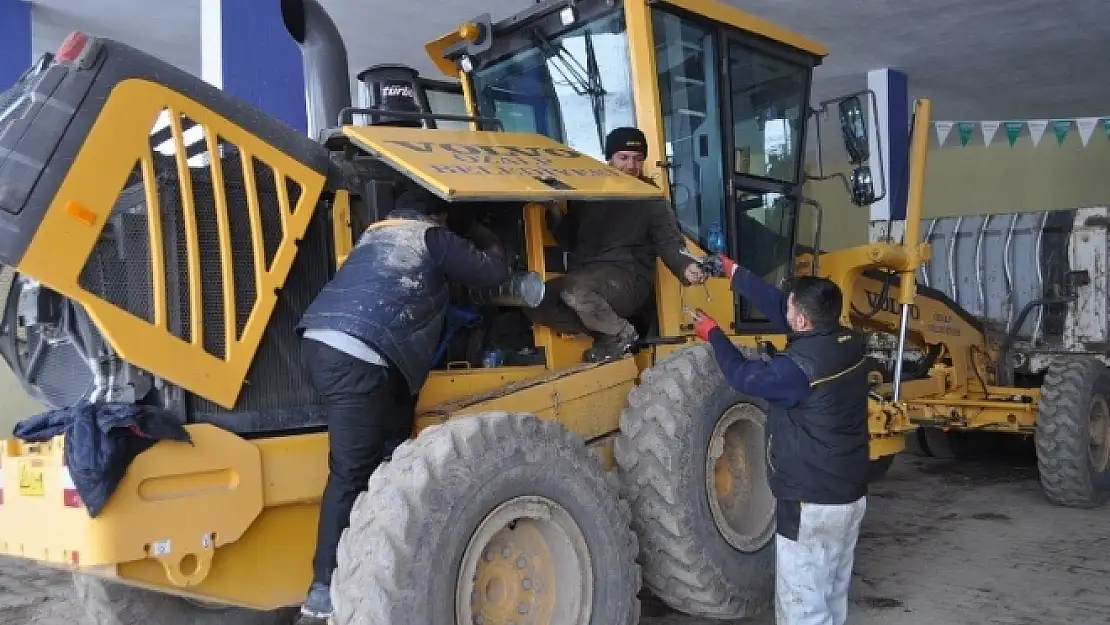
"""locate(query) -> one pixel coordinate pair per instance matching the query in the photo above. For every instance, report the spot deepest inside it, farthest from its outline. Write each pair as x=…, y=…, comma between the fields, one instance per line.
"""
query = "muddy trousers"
x=369, y=412
x=592, y=300
x=813, y=572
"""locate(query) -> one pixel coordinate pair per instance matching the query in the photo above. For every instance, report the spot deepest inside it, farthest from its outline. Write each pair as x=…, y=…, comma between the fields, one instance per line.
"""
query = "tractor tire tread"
x=1061, y=433
x=676, y=568
x=387, y=518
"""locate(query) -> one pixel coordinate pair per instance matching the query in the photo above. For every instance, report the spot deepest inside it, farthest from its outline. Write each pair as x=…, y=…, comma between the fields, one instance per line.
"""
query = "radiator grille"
x=202, y=214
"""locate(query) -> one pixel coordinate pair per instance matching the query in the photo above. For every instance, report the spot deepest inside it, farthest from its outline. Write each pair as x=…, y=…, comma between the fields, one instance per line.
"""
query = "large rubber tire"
x=409, y=542
x=956, y=444
x=1073, y=421
x=916, y=444
x=110, y=603
x=662, y=453
x=939, y=443
x=879, y=467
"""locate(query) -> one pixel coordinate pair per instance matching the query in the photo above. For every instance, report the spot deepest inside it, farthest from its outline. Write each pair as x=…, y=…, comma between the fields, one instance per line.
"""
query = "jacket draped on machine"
x=101, y=441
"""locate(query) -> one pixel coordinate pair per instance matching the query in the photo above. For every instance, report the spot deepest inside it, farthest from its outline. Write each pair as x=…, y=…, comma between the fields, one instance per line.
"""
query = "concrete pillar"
x=891, y=89
x=15, y=41
x=246, y=51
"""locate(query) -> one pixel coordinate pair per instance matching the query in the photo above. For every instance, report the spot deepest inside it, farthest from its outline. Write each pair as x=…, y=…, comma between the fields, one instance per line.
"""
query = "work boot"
x=610, y=347
x=318, y=603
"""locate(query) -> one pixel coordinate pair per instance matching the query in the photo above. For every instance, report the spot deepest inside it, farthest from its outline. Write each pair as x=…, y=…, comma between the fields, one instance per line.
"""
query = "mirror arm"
x=816, y=231
x=879, y=143
x=820, y=149
x=842, y=177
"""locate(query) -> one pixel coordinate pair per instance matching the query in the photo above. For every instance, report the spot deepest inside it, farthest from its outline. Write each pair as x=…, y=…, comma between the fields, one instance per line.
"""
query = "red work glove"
x=728, y=265
x=703, y=324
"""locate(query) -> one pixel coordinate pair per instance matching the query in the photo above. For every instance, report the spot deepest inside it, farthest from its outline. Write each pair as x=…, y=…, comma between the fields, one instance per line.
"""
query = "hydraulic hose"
x=1004, y=373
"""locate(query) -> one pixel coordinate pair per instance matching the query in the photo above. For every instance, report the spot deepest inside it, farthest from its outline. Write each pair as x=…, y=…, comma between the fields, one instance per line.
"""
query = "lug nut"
x=505, y=553
x=521, y=562
x=527, y=584
x=522, y=608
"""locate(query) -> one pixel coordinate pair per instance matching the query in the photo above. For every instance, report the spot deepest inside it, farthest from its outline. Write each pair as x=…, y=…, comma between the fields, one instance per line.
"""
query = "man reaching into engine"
x=612, y=247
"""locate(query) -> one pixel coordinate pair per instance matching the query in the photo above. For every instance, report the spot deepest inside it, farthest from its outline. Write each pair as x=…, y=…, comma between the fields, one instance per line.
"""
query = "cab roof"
x=715, y=10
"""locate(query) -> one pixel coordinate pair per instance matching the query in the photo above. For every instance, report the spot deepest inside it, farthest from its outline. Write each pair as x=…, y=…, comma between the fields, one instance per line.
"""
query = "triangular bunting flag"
x=1036, y=130
x=943, y=128
x=1013, y=131
x=965, y=128
x=1086, y=127
x=989, y=130
x=1061, y=128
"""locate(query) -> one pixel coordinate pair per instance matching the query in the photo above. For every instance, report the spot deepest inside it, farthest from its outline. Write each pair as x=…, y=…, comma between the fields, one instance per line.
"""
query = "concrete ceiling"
x=977, y=59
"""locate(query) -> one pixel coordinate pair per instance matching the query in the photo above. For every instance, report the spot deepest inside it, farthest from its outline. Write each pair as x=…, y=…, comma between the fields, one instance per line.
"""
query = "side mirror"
x=863, y=187
x=853, y=125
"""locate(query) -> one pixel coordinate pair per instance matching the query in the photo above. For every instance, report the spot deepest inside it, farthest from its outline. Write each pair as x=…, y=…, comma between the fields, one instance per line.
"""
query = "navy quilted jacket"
x=101, y=440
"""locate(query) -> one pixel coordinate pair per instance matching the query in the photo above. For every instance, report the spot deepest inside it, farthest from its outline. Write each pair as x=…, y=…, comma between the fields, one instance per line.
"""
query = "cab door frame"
x=736, y=183
x=640, y=17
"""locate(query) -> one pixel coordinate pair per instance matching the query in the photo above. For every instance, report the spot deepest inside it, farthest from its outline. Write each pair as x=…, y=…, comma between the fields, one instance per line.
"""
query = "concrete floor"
x=942, y=543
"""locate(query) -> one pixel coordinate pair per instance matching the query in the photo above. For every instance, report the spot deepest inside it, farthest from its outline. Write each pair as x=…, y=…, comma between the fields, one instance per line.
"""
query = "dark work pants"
x=370, y=412
x=595, y=299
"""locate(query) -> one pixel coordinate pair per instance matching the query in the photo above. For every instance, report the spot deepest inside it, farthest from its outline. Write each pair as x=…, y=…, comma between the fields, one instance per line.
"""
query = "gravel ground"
x=942, y=543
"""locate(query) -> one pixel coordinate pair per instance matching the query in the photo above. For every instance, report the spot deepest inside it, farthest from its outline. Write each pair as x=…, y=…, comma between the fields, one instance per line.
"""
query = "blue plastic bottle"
x=715, y=239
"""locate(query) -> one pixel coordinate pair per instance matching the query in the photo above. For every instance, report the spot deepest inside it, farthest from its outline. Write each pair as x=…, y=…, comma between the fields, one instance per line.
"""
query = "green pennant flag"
x=1013, y=131
x=966, y=128
x=1106, y=125
x=1061, y=128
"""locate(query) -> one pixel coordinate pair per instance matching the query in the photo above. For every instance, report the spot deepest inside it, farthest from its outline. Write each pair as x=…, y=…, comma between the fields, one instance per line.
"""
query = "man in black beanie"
x=611, y=250
x=626, y=149
x=369, y=339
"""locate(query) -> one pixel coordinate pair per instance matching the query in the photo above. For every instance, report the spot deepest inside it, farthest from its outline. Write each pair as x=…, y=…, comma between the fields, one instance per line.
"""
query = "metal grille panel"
x=199, y=227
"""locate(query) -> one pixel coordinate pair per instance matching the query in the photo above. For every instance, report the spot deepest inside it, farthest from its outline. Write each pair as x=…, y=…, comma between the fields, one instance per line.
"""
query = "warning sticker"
x=497, y=165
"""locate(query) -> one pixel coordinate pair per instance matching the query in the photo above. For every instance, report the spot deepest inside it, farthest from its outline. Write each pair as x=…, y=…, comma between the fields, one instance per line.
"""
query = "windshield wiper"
x=586, y=81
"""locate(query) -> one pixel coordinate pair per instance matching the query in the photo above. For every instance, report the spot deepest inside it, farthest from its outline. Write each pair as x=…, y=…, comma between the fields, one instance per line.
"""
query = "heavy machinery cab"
x=722, y=96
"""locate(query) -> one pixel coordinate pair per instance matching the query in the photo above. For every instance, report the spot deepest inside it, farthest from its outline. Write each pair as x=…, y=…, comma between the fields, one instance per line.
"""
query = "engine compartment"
x=62, y=359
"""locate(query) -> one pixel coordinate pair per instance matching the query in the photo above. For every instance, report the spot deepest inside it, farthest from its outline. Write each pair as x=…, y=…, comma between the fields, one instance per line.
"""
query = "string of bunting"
x=1015, y=129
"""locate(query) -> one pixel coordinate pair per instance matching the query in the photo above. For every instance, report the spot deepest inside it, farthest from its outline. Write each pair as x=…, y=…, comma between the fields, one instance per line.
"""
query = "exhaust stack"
x=327, y=77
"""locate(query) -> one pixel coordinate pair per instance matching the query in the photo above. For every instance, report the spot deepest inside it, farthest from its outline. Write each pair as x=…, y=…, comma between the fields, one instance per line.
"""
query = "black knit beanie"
x=625, y=140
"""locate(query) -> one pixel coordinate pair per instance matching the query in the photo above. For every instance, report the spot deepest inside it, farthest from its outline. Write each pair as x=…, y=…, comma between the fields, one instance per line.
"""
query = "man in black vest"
x=369, y=339
x=817, y=447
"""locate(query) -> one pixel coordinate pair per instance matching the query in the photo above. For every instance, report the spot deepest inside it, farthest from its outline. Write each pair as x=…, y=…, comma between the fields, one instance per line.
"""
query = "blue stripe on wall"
x=261, y=62
x=898, y=134
x=15, y=41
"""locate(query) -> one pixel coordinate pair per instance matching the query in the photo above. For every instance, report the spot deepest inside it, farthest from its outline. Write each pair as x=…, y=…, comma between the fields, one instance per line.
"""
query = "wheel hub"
x=513, y=579
x=740, y=498
x=524, y=556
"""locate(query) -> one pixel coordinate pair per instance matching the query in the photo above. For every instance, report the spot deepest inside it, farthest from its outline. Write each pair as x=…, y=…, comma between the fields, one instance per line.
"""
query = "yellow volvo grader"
x=161, y=240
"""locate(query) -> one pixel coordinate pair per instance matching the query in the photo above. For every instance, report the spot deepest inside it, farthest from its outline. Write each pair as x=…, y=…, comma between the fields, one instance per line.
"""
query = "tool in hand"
x=703, y=323
x=710, y=264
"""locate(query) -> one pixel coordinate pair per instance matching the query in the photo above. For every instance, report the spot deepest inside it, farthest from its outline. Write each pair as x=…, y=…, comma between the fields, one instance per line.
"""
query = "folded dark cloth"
x=101, y=441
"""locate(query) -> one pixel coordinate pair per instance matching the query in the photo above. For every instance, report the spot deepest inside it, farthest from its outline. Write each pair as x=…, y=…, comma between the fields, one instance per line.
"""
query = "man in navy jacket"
x=370, y=337
x=817, y=443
